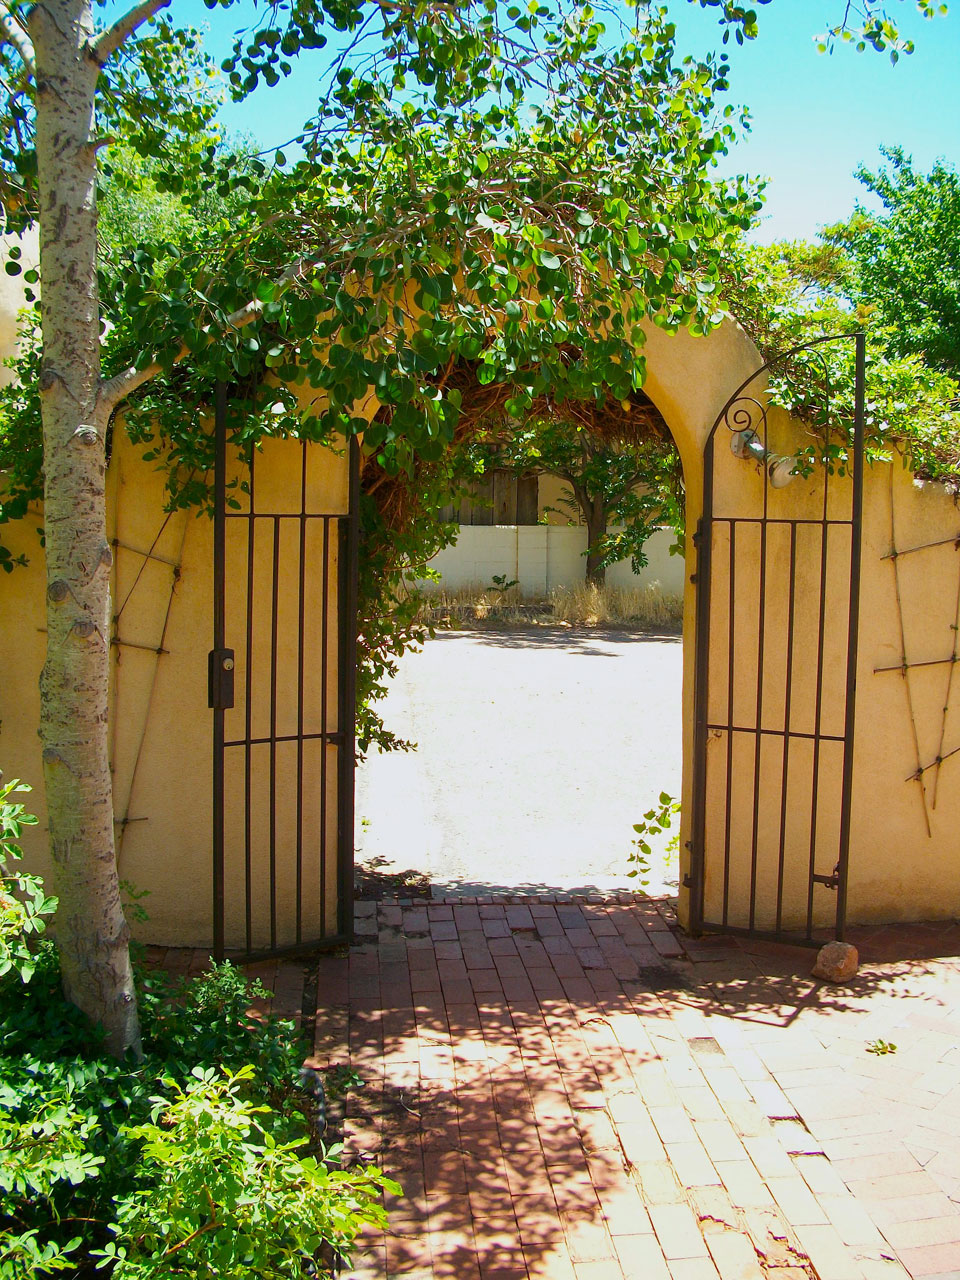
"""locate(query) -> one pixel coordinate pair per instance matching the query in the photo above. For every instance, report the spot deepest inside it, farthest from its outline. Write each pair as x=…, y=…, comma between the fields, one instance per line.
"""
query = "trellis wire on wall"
x=905, y=666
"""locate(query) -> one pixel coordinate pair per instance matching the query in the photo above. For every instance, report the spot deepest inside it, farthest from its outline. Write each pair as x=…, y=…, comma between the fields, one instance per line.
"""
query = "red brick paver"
x=572, y=1090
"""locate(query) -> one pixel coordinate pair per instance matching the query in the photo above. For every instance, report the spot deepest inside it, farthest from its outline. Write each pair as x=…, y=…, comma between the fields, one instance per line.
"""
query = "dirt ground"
x=538, y=749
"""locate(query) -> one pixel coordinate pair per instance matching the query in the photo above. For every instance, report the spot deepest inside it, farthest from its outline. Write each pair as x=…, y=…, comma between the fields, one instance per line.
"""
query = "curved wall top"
x=690, y=379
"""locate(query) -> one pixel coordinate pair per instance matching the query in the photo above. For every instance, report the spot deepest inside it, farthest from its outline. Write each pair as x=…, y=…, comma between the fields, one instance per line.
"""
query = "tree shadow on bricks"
x=521, y=1063
x=505, y=1155
x=771, y=983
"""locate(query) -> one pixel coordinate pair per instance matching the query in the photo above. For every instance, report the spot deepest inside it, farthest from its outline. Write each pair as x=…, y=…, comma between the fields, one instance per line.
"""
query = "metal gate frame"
x=221, y=699
x=735, y=420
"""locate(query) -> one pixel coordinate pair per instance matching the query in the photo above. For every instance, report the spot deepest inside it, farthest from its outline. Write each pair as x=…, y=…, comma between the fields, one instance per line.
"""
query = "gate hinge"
x=220, y=664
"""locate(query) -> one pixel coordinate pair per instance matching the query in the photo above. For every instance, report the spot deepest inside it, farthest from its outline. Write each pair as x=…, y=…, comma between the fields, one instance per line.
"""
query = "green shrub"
x=228, y=1200
x=202, y=1160
x=207, y=1020
x=36, y=1156
x=23, y=903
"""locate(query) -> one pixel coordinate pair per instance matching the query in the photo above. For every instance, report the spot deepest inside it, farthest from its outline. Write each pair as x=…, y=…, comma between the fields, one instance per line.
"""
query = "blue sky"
x=815, y=117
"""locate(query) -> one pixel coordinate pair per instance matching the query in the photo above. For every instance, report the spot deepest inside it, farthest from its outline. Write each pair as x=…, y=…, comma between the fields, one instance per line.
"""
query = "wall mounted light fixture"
x=747, y=444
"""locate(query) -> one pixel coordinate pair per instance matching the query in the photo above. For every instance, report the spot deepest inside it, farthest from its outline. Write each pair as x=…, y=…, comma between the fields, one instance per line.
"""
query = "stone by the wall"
x=836, y=962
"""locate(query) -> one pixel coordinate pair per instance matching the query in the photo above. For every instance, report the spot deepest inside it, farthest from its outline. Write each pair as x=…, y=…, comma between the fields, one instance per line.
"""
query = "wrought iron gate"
x=282, y=681
x=778, y=589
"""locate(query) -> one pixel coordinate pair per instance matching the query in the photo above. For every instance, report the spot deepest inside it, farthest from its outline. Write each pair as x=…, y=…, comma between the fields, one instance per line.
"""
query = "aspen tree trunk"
x=92, y=935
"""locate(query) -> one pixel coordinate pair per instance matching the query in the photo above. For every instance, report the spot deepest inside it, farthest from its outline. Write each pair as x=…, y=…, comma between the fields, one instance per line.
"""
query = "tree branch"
x=13, y=33
x=116, y=389
x=111, y=39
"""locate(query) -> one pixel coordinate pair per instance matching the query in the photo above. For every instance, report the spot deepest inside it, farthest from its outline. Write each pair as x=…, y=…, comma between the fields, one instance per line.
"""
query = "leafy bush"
x=207, y=1020
x=202, y=1160
x=654, y=824
x=39, y=1153
x=23, y=903
x=228, y=1200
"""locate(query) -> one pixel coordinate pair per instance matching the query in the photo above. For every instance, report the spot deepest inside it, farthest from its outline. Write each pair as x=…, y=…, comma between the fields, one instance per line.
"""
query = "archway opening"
x=546, y=708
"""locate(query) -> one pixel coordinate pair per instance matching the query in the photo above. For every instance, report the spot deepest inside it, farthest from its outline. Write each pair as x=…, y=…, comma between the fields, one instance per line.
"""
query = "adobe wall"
x=161, y=728
x=905, y=847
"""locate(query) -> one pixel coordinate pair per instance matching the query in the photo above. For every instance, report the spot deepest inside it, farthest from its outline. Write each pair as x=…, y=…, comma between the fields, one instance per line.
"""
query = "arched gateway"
x=775, y=785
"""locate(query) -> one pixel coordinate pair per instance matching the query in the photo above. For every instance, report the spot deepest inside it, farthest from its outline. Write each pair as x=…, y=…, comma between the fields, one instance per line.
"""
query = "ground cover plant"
x=204, y=1159
x=201, y=1160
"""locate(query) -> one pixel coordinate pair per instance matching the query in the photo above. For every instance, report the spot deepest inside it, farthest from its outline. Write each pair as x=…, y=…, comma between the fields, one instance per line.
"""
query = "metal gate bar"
x=218, y=659
x=744, y=786
x=254, y=850
x=348, y=593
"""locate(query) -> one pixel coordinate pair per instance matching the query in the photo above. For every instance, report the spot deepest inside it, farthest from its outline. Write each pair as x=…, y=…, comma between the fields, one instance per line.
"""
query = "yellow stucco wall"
x=905, y=850
x=161, y=728
x=905, y=847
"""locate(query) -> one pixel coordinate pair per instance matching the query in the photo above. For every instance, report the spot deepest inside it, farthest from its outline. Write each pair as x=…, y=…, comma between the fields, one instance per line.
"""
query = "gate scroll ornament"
x=778, y=587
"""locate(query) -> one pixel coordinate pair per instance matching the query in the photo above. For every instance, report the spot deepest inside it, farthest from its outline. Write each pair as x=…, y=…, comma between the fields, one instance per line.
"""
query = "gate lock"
x=220, y=664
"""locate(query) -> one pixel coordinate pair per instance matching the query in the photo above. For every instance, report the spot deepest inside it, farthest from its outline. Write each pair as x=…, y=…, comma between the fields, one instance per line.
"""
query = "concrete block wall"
x=543, y=557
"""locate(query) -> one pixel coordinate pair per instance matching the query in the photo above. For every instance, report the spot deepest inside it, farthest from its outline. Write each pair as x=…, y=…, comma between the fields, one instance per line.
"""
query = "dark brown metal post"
x=324, y=718
x=818, y=708
x=219, y=641
x=853, y=631
x=761, y=656
x=704, y=545
x=301, y=618
x=348, y=571
x=787, y=701
x=248, y=714
x=274, y=659
x=731, y=690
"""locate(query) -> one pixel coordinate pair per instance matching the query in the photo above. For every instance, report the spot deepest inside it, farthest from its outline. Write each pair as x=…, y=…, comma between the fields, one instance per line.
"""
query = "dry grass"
x=583, y=606
x=592, y=606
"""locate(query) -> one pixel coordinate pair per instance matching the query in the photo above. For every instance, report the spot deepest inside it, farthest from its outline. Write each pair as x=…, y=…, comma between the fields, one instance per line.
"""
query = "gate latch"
x=220, y=664
x=832, y=882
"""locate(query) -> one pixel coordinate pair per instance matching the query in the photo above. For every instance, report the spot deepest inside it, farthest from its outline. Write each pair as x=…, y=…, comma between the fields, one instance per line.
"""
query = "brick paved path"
x=565, y=1091
x=570, y=1090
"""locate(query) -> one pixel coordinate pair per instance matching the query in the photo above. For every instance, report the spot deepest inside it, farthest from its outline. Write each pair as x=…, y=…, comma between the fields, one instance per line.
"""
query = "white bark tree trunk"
x=92, y=934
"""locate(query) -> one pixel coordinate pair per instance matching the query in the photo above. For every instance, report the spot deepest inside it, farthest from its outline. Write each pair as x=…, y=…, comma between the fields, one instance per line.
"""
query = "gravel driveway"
x=537, y=751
